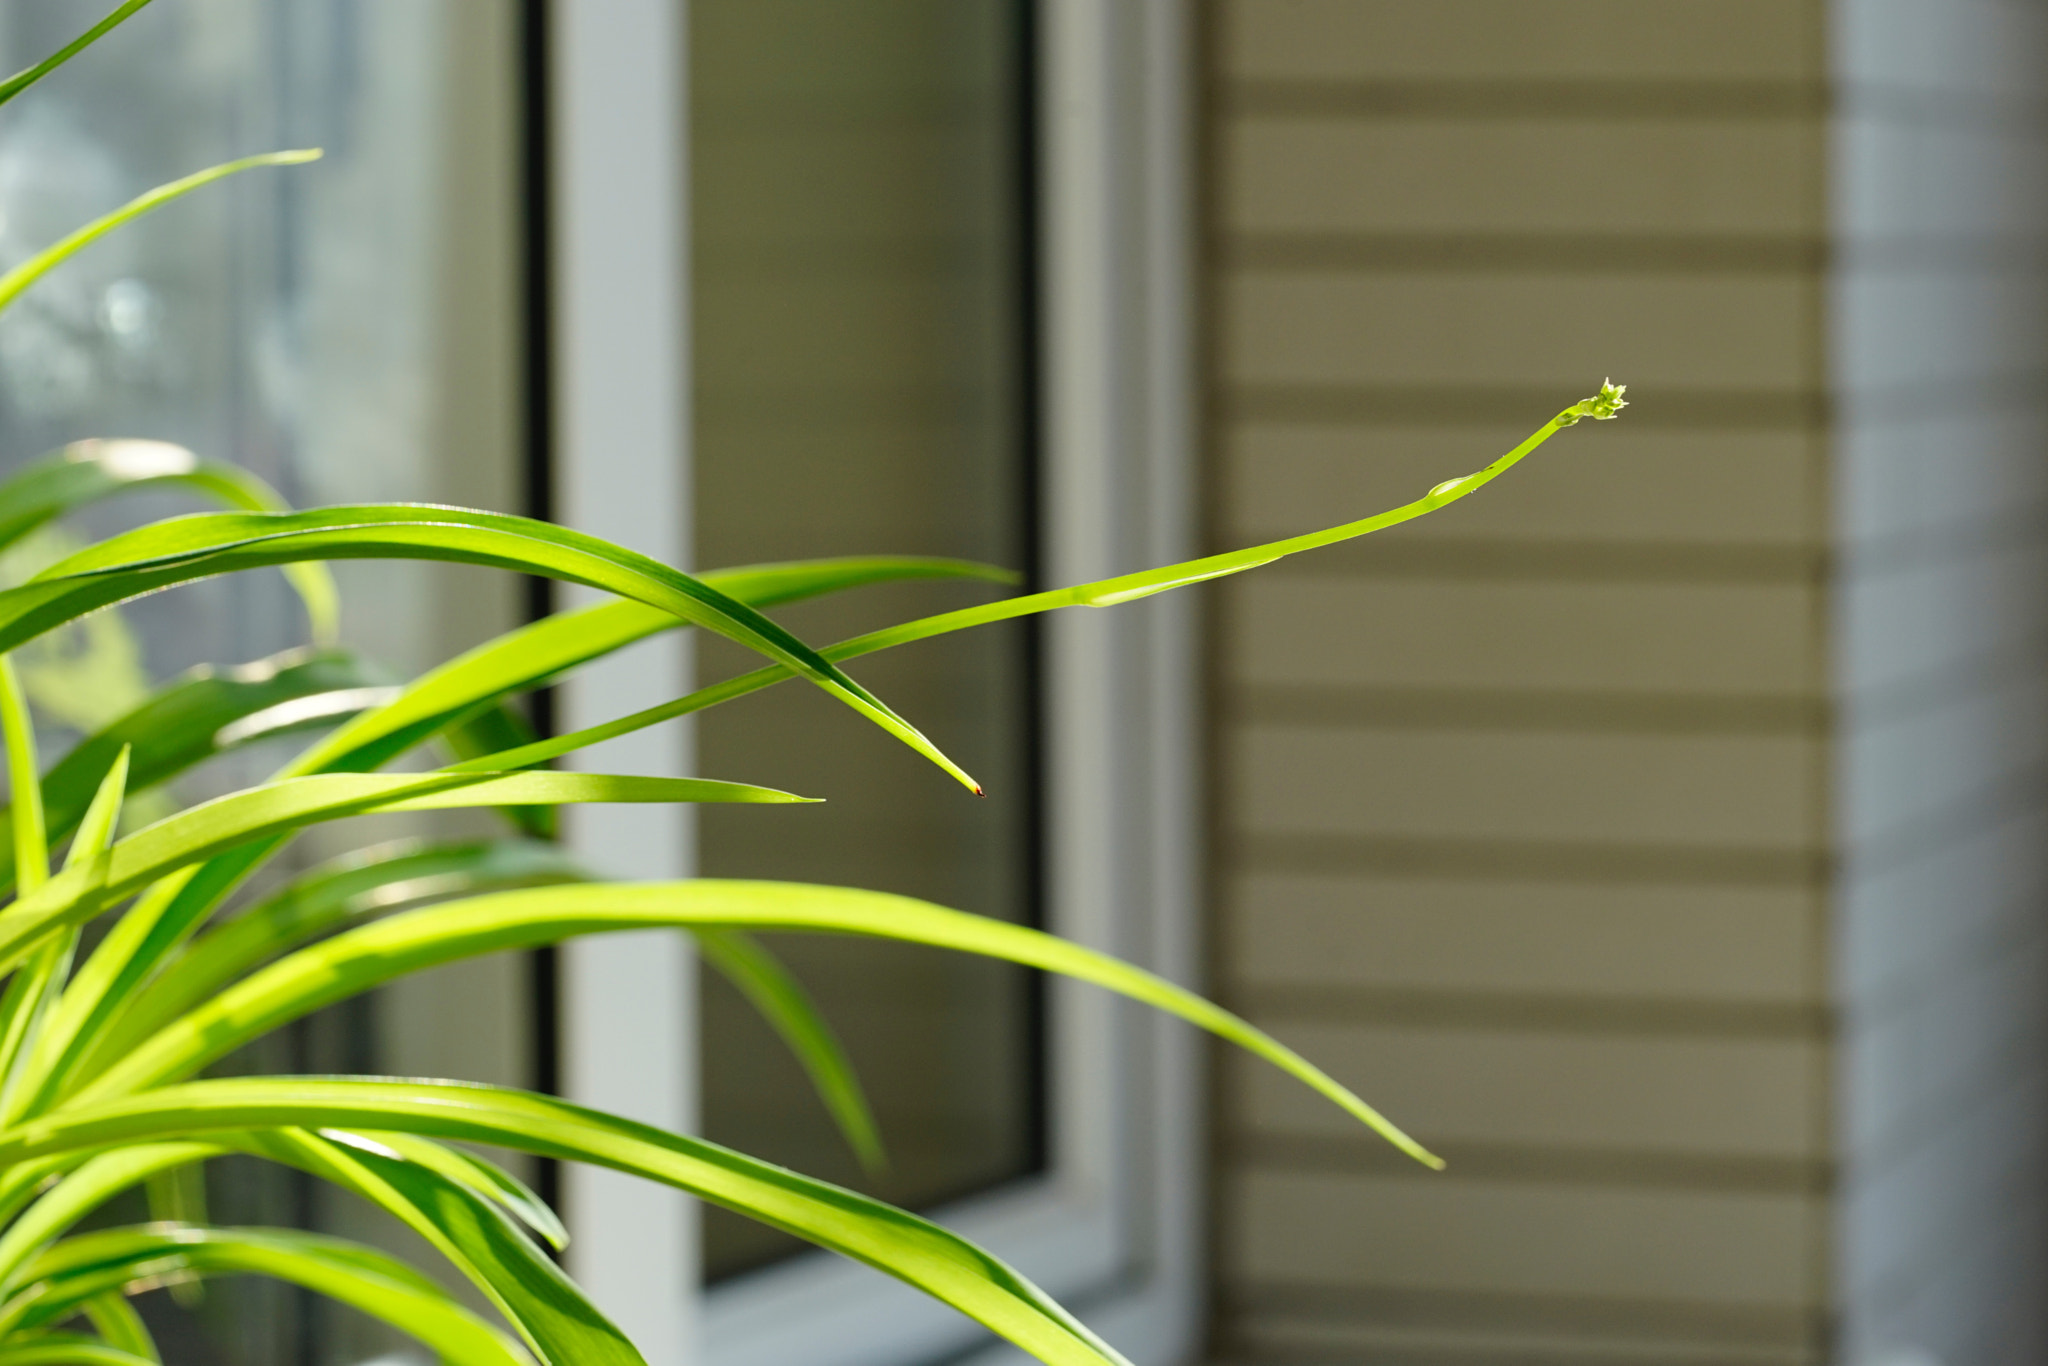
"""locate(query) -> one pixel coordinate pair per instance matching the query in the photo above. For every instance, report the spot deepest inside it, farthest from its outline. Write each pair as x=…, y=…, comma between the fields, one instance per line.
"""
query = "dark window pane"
x=860, y=340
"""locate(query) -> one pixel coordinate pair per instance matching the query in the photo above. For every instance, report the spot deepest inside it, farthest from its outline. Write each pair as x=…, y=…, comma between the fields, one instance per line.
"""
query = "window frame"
x=1113, y=1226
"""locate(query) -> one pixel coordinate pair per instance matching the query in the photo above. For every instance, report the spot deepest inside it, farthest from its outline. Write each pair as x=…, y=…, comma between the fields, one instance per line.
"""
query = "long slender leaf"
x=24, y=776
x=78, y=1269
x=27, y=996
x=117, y=1323
x=914, y=1250
x=52, y=965
x=783, y=1002
x=182, y=724
x=1108, y=592
x=376, y=953
x=482, y=1178
x=380, y=882
x=558, y=1322
x=96, y=832
x=49, y=258
x=68, y=1349
x=183, y=549
x=87, y=471
x=487, y=730
x=22, y=80
x=332, y=896
x=96, y=1181
x=534, y=654
x=246, y=818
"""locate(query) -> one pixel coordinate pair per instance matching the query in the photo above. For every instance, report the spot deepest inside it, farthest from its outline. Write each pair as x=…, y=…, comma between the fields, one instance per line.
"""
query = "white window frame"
x=1113, y=1227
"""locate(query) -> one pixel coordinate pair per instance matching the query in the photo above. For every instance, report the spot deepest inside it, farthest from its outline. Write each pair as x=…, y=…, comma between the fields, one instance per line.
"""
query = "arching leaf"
x=353, y=962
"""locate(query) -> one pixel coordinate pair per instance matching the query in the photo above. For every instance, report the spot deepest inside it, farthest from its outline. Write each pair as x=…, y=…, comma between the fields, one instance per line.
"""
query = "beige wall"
x=1532, y=814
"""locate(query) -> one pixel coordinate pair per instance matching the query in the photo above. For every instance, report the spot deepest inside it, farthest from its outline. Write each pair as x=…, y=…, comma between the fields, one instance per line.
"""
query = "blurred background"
x=1661, y=836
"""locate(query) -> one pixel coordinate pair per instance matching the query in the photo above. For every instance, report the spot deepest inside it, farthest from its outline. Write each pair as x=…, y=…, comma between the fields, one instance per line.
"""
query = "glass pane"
x=351, y=331
x=861, y=341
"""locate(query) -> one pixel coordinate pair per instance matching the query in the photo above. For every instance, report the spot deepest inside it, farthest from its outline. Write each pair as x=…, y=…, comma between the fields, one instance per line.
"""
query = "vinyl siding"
x=1525, y=821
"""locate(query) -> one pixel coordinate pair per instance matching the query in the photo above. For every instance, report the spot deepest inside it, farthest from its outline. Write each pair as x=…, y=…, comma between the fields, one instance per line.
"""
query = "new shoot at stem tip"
x=1600, y=407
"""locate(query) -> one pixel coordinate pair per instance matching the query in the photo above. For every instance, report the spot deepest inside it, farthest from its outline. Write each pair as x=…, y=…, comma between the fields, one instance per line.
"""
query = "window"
x=778, y=123
x=928, y=255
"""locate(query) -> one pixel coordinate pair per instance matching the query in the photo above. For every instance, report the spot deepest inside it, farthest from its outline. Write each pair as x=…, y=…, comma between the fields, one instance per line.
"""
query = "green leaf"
x=96, y=831
x=68, y=1349
x=87, y=471
x=482, y=1178
x=115, y=1320
x=21, y=81
x=49, y=258
x=200, y=832
x=183, y=549
x=78, y=1194
x=1108, y=592
x=914, y=1250
x=73, y=1272
x=359, y=886
x=534, y=654
x=24, y=777
x=365, y=957
x=383, y=881
x=27, y=1036
x=789, y=1010
x=151, y=930
x=27, y=999
x=494, y=727
x=184, y=724
x=550, y=1313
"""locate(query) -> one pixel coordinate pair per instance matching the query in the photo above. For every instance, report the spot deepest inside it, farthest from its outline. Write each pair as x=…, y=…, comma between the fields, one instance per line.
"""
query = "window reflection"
x=861, y=342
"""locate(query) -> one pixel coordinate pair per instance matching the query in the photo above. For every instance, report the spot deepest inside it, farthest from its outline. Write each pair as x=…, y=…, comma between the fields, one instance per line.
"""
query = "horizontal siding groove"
x=1525, y=709
x=1491, y=405
x=1278, y=1344
x=1529, y=860
x=1365, y=1155
x=1615, y=100
x=1802, y=410
x=1319, y=1003
x=1631, y=252
x=1412, y=251
x=1791, y=1326
x=1560, y=561
x=1247, y=97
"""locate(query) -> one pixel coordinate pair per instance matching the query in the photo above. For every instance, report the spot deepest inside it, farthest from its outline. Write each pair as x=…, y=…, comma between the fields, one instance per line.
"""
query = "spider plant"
x=103, y=1053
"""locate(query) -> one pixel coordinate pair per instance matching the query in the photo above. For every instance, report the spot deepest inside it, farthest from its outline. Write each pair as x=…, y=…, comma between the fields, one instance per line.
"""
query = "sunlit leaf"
x=87, y=471
x=910, y=1248
x=365, y=957
x=184, y=549
x=60, y=1281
